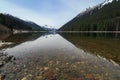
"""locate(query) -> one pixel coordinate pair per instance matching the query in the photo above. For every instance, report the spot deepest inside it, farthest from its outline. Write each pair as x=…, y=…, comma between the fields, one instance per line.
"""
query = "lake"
x=64, y=56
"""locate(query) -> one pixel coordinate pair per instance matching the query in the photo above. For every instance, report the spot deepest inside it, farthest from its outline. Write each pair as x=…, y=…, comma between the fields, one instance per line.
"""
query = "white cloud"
x=79, y=5
x=57, y=19
x=67, y=9
x=25, y=13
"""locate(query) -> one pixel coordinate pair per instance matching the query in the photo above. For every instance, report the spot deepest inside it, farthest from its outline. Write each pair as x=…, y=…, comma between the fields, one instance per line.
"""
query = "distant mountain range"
x=103, y=17
x=11, y=23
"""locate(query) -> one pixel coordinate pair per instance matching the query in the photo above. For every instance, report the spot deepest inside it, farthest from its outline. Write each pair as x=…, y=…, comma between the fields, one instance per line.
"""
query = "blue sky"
x=51, y=12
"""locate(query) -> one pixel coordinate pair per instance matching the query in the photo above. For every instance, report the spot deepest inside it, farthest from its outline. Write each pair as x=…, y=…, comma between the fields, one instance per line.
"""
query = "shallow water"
x=65, y=56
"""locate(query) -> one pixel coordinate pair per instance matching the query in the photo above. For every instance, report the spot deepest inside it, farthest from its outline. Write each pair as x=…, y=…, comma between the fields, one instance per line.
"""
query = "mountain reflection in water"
x=53, y=57
x=106, y=45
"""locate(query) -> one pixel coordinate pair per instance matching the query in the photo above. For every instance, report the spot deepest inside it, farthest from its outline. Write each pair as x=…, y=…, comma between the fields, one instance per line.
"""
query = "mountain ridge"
x=98, y=18
x=14, y=23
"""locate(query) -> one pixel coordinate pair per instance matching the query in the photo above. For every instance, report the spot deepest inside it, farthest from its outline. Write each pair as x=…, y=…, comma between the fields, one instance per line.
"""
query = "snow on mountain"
x=106, y=2
x=99, y=6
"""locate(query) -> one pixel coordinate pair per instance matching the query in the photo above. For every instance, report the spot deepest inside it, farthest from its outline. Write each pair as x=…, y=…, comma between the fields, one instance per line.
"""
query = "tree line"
x=100, y=18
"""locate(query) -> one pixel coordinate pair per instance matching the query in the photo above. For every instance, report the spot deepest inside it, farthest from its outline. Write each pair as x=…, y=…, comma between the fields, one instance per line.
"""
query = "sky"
x=54, y=13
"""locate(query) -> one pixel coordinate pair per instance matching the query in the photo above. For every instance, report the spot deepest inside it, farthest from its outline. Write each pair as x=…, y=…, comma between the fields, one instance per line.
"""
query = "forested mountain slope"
x=14, y=23
x=103, y=17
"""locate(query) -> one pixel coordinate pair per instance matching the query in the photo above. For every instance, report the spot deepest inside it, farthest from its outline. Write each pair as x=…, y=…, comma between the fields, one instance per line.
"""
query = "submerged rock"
x=4, y=58
x=28, y=77
x=46, y=68
x=2, y=76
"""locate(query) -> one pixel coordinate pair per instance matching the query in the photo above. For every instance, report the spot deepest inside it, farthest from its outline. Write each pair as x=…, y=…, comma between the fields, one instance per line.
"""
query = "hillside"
x=14, y=23
x=3, y=28
x=103, y=17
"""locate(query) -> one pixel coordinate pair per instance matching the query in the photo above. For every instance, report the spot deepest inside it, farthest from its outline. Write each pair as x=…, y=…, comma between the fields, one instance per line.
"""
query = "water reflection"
x=44, y=44
x=11, y=40
x=4, y=36
x=106, y=45
x=52, y=57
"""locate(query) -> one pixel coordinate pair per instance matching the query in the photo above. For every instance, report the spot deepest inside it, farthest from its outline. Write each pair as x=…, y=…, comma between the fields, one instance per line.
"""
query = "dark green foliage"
x=106, y=18
x=18, y=24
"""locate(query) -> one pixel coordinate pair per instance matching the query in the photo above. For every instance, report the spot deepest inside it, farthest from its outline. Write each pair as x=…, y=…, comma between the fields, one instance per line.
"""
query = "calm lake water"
x=64, y=56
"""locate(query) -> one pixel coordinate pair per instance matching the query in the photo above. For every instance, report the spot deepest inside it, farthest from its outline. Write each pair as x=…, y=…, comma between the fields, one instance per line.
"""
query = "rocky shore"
x=59, y=67
x=4, y=59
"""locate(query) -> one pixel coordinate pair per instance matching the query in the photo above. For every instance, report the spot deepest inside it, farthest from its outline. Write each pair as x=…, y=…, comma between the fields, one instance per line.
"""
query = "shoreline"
x=88, y=31
x=16, y=32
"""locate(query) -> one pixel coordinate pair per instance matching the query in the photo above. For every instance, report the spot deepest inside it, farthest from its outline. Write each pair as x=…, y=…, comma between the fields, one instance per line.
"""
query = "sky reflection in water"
x=61, y=57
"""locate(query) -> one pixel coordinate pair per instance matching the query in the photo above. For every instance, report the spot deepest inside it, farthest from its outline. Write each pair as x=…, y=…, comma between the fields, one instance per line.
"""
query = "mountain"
x=12, y=23
x=103, y=17
x=4, y=28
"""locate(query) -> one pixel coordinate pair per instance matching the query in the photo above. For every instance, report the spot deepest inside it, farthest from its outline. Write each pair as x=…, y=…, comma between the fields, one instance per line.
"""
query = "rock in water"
x=2, y=76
